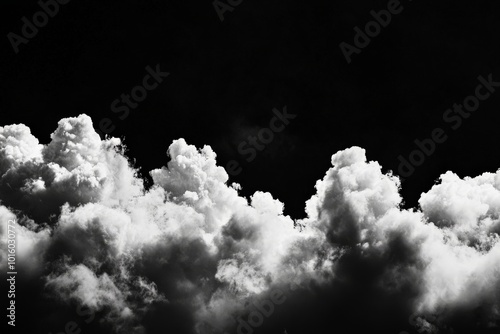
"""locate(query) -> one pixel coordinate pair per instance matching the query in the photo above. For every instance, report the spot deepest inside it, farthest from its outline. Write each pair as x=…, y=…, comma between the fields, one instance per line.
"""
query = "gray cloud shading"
x=189, y=254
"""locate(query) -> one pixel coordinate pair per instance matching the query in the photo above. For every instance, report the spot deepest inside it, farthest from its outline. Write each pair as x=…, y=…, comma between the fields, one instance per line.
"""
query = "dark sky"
x=226, y=77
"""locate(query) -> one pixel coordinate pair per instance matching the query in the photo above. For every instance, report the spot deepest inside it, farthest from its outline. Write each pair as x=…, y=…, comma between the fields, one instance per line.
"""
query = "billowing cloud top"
x=190, y=254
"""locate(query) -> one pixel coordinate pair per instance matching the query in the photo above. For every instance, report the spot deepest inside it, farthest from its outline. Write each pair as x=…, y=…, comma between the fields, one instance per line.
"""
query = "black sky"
x=226, y=78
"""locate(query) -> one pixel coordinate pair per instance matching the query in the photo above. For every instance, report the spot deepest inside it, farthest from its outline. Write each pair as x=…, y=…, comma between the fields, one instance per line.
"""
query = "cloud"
x=191, y=255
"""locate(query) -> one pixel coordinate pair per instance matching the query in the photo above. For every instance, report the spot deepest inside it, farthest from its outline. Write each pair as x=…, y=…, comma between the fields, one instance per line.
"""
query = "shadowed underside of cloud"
x=190, y=255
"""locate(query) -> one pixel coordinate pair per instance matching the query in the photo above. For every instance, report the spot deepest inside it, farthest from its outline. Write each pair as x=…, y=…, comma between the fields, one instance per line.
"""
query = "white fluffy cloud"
x=97, y=237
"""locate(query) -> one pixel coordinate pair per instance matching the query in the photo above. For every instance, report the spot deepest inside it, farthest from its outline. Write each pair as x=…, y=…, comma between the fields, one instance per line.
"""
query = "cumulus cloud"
x=190, y=254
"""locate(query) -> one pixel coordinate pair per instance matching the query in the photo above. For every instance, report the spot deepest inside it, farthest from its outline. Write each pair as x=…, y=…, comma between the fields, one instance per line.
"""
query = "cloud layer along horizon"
x=189, y=254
